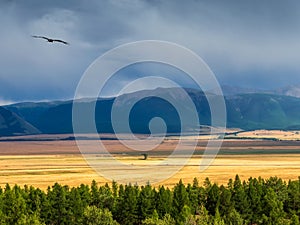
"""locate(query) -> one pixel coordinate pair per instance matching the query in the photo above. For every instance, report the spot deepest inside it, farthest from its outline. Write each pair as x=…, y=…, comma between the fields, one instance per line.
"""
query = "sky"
x=253, y=44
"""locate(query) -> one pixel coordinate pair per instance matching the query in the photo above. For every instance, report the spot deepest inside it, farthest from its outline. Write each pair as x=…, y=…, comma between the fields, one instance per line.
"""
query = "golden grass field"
x=42, y=163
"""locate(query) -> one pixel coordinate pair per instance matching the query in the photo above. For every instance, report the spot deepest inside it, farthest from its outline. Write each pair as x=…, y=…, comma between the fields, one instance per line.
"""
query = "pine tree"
x=273, y=207
x=95, y=195
x=226, y=205
x=46, y=208
x=240, y=198
x=194, y=193
x=57, y=197
x=279, y=186
x=164, y=201
x=213, y=199
x=106, y=197
x=126, y=212
x=14, y=205
x=76, y=206
x=85, y=194
x=114, y=188
x=180, y=199
x=255, y=195
x=292, y=204
x=146, y=202
x=118, y=204
x=207, y=184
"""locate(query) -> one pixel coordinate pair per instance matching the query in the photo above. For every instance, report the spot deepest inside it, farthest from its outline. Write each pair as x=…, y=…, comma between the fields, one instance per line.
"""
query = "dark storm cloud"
x=250, y=42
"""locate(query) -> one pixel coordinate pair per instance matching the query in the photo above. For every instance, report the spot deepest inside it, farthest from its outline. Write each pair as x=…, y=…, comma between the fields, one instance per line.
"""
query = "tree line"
x=256, y=201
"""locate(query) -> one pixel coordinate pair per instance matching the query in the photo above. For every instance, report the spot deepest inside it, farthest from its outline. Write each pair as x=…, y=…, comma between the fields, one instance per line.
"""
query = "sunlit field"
x=42, y=163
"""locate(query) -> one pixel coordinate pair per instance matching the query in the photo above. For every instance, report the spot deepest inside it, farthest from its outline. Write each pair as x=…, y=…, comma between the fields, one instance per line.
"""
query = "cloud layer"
x=248, y=43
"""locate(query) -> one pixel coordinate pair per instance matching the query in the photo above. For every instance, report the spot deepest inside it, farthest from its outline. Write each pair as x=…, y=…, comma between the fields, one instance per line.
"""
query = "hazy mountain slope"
x=31, y=111
x=11, y=124
x=265, y=111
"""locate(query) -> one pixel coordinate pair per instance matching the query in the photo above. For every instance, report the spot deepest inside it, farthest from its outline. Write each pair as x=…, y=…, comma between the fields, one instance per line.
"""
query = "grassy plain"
x=43, y=162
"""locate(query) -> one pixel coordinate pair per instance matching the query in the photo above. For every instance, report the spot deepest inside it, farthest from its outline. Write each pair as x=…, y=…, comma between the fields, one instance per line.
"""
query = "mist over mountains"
x=246, y=109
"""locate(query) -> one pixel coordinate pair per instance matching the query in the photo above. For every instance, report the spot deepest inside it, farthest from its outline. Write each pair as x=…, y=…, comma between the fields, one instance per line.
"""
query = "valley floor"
x=42, y=163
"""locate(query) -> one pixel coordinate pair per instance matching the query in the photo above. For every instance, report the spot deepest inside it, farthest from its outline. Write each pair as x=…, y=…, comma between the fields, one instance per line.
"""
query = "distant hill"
x=263, y=111
x=245, y=111
x=11, y=124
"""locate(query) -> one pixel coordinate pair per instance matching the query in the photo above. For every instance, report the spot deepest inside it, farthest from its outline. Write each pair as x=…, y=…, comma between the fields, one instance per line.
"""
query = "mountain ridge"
x=246, y=111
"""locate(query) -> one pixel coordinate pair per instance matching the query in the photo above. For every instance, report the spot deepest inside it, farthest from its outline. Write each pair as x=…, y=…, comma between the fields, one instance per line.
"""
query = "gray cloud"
x=249, y=43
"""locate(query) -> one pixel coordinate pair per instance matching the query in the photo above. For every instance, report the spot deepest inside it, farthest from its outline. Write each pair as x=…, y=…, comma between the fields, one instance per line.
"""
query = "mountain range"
x=246, y=109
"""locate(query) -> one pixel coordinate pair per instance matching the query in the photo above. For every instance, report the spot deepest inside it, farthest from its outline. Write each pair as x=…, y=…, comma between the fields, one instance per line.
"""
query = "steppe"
x=43, y=160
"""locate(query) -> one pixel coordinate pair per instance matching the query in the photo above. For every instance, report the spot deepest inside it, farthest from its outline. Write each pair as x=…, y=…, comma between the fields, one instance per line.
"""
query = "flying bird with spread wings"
x=51, y=40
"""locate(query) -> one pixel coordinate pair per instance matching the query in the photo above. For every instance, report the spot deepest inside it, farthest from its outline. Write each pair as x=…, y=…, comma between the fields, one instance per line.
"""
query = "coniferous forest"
x=255, y=201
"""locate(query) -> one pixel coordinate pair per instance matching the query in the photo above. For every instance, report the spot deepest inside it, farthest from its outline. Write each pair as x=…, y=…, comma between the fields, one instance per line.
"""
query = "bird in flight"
x=51, y=40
